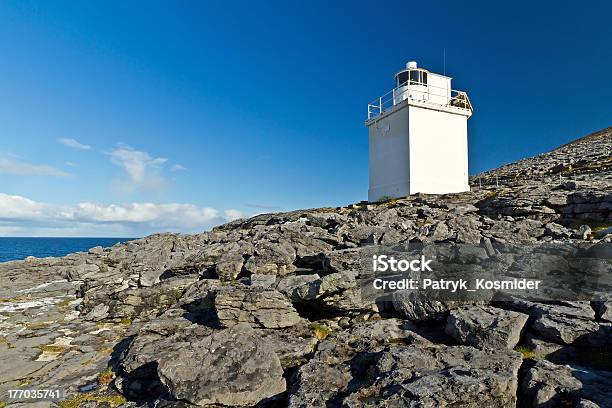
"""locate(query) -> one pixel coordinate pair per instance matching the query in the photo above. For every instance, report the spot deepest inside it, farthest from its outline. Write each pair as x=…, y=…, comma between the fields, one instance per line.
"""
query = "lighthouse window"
x=402, y=78
x=415, y=77
x=418, y=78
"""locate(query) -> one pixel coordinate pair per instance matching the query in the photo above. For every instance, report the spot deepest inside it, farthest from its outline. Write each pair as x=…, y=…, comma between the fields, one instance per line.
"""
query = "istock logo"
x=384, y=263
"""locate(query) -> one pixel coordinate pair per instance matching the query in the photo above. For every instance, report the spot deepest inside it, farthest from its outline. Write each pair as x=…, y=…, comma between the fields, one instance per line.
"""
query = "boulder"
x=98, y=312
x=409, y=375
x=557, y=231
x=550, y=385
x=232, y=367
x=344, y=358
x=299, y=287
x=229, y=266
x=562, y=322
x=442, y=376
x=150, y=277
x=293, y=346
x=272, y=259
x=486, y=326
x=563, y=329
x=262, y=281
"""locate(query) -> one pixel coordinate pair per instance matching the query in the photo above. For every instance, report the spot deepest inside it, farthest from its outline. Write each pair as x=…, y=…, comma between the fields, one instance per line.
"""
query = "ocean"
x=20, y=248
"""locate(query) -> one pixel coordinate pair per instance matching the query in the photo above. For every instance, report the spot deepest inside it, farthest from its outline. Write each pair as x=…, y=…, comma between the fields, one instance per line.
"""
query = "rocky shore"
x=267, y=311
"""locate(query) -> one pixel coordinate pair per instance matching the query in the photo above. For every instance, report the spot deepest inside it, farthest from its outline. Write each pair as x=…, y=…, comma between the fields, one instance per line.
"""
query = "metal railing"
x=421, y=93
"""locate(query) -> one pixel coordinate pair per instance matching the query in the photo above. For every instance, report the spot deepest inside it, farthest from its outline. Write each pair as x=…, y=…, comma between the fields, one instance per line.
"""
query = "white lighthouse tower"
x=418, y=137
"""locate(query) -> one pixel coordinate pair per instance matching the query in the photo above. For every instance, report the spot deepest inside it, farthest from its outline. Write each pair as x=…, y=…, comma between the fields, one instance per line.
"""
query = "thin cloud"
x=264, y=207
x=142, y=170
x=75, y=144
x=21, y=168
x=178, y=167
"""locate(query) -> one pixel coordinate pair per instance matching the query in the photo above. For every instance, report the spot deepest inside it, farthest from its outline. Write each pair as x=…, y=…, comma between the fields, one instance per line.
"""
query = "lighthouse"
x=418, y=137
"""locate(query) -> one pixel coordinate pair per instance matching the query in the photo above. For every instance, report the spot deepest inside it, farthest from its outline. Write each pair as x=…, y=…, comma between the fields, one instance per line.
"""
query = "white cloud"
x=75, y=144
x=22, y=216
x=178, y=167
x=142, y=170
x=233, y=214
x=14, y=207
x=20, y=168
x=162, y=215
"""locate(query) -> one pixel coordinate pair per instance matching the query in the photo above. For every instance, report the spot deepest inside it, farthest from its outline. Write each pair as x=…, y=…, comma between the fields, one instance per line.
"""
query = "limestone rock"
x=411, y=376
x=299, y=287
x=557, y=231
x=550, y=385
x=233, y=367
x=228, y=267
x=563, y=329
x=99, y=312
x=440, y=376
x=272, y=258
x=263, y=281
x=293, y=346
x=486, y=326
x=260, y=308
x=418, y=306
x=155, y=308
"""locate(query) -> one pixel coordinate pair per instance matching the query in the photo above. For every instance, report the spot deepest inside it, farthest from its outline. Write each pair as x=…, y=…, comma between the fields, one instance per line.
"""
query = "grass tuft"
x=54, y=348
x=386, y=200
x=106, y=376
x=491, y=194
x=527, y=353
x=600, y=226
x=78, y=400
x=64, y=303
x=320, y=331
x=24, y=382
x=17, y=299
x=4, y=340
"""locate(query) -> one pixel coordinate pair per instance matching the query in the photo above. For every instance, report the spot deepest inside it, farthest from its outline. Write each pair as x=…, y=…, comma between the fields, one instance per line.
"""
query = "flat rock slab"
x=43, y=342
x=563, y=329
x=232, y=367
x=486, y=326
x=260, y=308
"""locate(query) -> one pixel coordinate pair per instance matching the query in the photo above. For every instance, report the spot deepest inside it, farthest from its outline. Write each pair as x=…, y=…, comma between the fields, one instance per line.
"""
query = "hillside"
x=270, y=311
x=588, y=155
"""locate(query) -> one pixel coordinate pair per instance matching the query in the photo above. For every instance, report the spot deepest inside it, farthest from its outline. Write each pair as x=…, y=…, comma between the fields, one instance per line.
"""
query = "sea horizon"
x=19, y=248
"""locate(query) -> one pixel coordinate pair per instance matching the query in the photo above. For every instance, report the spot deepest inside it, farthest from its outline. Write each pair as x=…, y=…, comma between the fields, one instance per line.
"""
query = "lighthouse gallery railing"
x=458, y=99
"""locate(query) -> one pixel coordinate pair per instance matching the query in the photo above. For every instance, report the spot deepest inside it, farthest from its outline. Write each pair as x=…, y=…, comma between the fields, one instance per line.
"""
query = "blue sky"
x=125, y=118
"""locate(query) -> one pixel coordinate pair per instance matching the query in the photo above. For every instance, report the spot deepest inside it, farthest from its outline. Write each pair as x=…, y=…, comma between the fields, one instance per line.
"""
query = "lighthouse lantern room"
x=418, y=137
